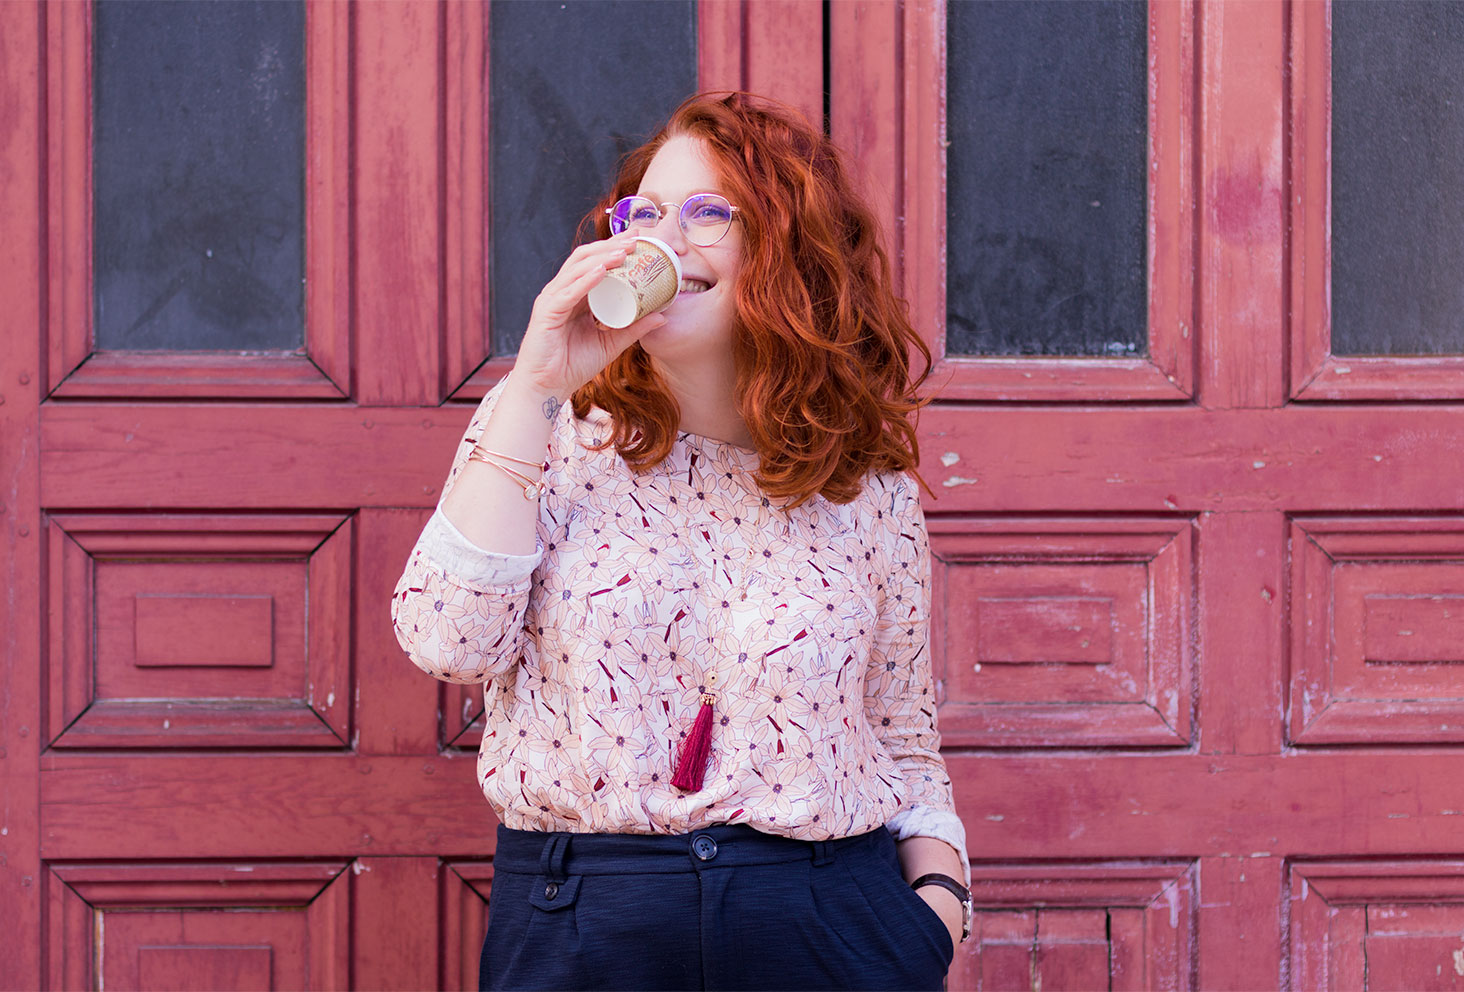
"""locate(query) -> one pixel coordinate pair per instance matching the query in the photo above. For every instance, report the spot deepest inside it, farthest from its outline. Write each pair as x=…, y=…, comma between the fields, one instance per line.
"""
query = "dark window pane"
x=1046, y=190
x=199, y=166
x=1397, y=178
x=574, y=87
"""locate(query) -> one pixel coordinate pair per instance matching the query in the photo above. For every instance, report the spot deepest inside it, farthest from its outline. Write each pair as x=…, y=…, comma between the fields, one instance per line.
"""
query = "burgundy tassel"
x=691, y=767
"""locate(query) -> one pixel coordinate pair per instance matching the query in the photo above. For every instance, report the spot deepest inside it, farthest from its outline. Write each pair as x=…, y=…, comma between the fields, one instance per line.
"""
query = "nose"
x=669, y=230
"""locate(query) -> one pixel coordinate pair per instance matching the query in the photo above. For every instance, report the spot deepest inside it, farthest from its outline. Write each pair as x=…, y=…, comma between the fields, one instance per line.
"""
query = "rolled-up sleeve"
x=899, y=698
x=458, y=610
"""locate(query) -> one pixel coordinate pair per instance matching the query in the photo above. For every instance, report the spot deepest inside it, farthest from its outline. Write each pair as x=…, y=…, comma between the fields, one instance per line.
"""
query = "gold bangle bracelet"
x=533, y=488
x=479, y=449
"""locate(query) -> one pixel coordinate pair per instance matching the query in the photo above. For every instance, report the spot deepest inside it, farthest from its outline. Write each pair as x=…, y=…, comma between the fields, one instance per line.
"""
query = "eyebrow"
x=696, y=192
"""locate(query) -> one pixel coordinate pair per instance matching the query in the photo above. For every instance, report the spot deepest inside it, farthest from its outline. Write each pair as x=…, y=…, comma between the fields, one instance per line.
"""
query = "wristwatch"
x=962, y=893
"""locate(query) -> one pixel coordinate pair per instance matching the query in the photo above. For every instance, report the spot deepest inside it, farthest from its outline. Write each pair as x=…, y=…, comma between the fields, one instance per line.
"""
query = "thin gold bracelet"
x=533, y=488
x=510, y=458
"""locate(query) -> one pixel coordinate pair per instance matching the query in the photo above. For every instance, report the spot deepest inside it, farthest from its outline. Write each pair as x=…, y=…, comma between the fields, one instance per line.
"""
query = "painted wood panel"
x=1317, y=596
x=1216, y=620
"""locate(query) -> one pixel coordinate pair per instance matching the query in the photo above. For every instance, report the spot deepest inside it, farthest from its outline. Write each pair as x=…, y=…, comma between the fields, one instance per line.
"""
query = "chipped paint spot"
x=958, y=480
x=976, y=667
x=1261, y=854
x=1169, y=502
x=1377, y=458
x=167, y=724
x=995, y=817
x=358, y=867
x=949, y=458
x=330, y=700
x=1459, y=962
x=1265, y=594
x=1172, y=897
x=1258, y=464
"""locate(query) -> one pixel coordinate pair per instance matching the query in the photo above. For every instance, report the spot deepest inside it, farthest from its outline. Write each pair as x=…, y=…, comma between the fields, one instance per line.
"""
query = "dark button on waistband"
x=704, y=847
x=551, y=890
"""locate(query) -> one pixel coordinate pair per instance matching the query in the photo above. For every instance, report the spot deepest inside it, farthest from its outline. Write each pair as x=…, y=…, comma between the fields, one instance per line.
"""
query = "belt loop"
x=556, y=852
x=823, y=852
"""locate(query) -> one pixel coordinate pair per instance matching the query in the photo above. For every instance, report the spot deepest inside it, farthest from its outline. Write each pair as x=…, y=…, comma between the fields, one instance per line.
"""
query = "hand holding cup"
x=564, y=347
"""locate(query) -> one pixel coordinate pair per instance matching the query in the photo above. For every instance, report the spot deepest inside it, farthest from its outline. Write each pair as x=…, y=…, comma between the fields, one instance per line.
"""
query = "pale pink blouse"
x=594, y=650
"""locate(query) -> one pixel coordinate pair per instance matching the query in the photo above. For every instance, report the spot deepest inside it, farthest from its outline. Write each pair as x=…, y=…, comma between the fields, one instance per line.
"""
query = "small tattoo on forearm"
x=551, y=407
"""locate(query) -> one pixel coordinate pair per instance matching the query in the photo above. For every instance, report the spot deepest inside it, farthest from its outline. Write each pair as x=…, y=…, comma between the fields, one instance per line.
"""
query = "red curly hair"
x=821, y=342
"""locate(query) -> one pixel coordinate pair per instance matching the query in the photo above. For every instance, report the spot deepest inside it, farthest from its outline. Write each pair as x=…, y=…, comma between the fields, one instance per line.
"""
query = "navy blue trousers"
x=726, y=907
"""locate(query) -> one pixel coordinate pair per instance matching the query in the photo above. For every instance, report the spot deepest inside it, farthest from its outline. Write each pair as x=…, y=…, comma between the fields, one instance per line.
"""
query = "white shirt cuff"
x=446, y=547
x=927, y=821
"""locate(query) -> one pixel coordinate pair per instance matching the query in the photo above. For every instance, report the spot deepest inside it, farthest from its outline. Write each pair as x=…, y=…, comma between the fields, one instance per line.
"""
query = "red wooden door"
x=217, y=770
x=1197, y=609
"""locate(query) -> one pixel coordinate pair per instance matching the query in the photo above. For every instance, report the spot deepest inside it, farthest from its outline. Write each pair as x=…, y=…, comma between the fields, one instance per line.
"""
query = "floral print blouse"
x=594, y=651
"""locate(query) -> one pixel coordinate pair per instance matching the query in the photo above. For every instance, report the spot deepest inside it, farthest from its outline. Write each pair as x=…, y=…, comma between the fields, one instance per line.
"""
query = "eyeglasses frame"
x=610, y=211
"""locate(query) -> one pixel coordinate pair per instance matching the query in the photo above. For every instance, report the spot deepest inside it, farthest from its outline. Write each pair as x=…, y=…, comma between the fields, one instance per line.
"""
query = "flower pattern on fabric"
x=814, y=619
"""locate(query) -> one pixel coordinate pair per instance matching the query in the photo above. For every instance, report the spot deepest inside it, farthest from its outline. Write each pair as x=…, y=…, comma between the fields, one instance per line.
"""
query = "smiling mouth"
x=692, y=286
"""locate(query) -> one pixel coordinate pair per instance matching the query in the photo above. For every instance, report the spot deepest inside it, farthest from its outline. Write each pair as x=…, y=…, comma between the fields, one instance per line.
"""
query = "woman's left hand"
x=946, y=906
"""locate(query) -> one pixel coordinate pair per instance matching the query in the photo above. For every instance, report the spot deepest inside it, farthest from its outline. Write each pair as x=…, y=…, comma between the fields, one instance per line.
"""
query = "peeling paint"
x=358, y=867
x=949, y=458
x=1459, y=962
x=330, y=700
x=1258, y=464
x=958, y=480
x=995, y=817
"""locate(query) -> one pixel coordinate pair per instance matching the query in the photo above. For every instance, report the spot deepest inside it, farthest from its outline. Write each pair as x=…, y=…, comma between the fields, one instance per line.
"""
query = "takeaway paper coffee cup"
x=645, y=282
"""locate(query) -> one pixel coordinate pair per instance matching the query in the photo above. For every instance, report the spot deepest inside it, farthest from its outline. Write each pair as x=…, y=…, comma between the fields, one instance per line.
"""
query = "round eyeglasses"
x=705, y=217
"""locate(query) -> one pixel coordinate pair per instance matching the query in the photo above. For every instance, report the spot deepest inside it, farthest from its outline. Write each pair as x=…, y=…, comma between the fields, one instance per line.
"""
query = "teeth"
x=692, y=286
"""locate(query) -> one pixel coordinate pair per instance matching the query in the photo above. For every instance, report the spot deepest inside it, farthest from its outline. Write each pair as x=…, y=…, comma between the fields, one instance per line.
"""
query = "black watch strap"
x=962, y=893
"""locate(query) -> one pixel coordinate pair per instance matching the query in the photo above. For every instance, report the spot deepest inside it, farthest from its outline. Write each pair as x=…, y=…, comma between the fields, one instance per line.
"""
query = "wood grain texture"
x=1002, y=459
x=920, y=158
x=321, y=370
x=1239, y=937
x=1314, y=372
x=782, y=54
x=466, y=891
x=867, y=90
x=167, y=926
x=23, y=538
x=398, y=204
x=235, y=805
x=389, y=891
x=1242, y=586
x=398, y=707
x=1242, y=243
x=465, y=77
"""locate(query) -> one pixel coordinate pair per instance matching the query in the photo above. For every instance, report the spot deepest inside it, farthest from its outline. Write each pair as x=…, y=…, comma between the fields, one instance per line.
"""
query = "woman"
x=697, y=597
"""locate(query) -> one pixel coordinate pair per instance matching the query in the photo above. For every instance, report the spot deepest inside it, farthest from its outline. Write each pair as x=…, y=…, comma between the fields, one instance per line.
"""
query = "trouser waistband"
x=558, y=854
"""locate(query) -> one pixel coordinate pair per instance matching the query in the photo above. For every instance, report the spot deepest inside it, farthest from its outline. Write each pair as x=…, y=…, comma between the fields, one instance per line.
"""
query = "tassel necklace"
x=691, y=767
x=691, y=764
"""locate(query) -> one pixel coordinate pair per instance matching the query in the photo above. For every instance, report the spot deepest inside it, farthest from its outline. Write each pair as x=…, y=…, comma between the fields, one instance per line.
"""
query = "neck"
x=707, y=396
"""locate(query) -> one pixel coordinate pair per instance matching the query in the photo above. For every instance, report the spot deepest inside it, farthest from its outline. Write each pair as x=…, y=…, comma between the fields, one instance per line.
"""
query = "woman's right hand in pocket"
x=564, y=346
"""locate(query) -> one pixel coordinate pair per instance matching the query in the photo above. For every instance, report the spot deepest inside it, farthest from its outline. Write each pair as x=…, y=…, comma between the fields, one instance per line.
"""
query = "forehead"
x=681, y=166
